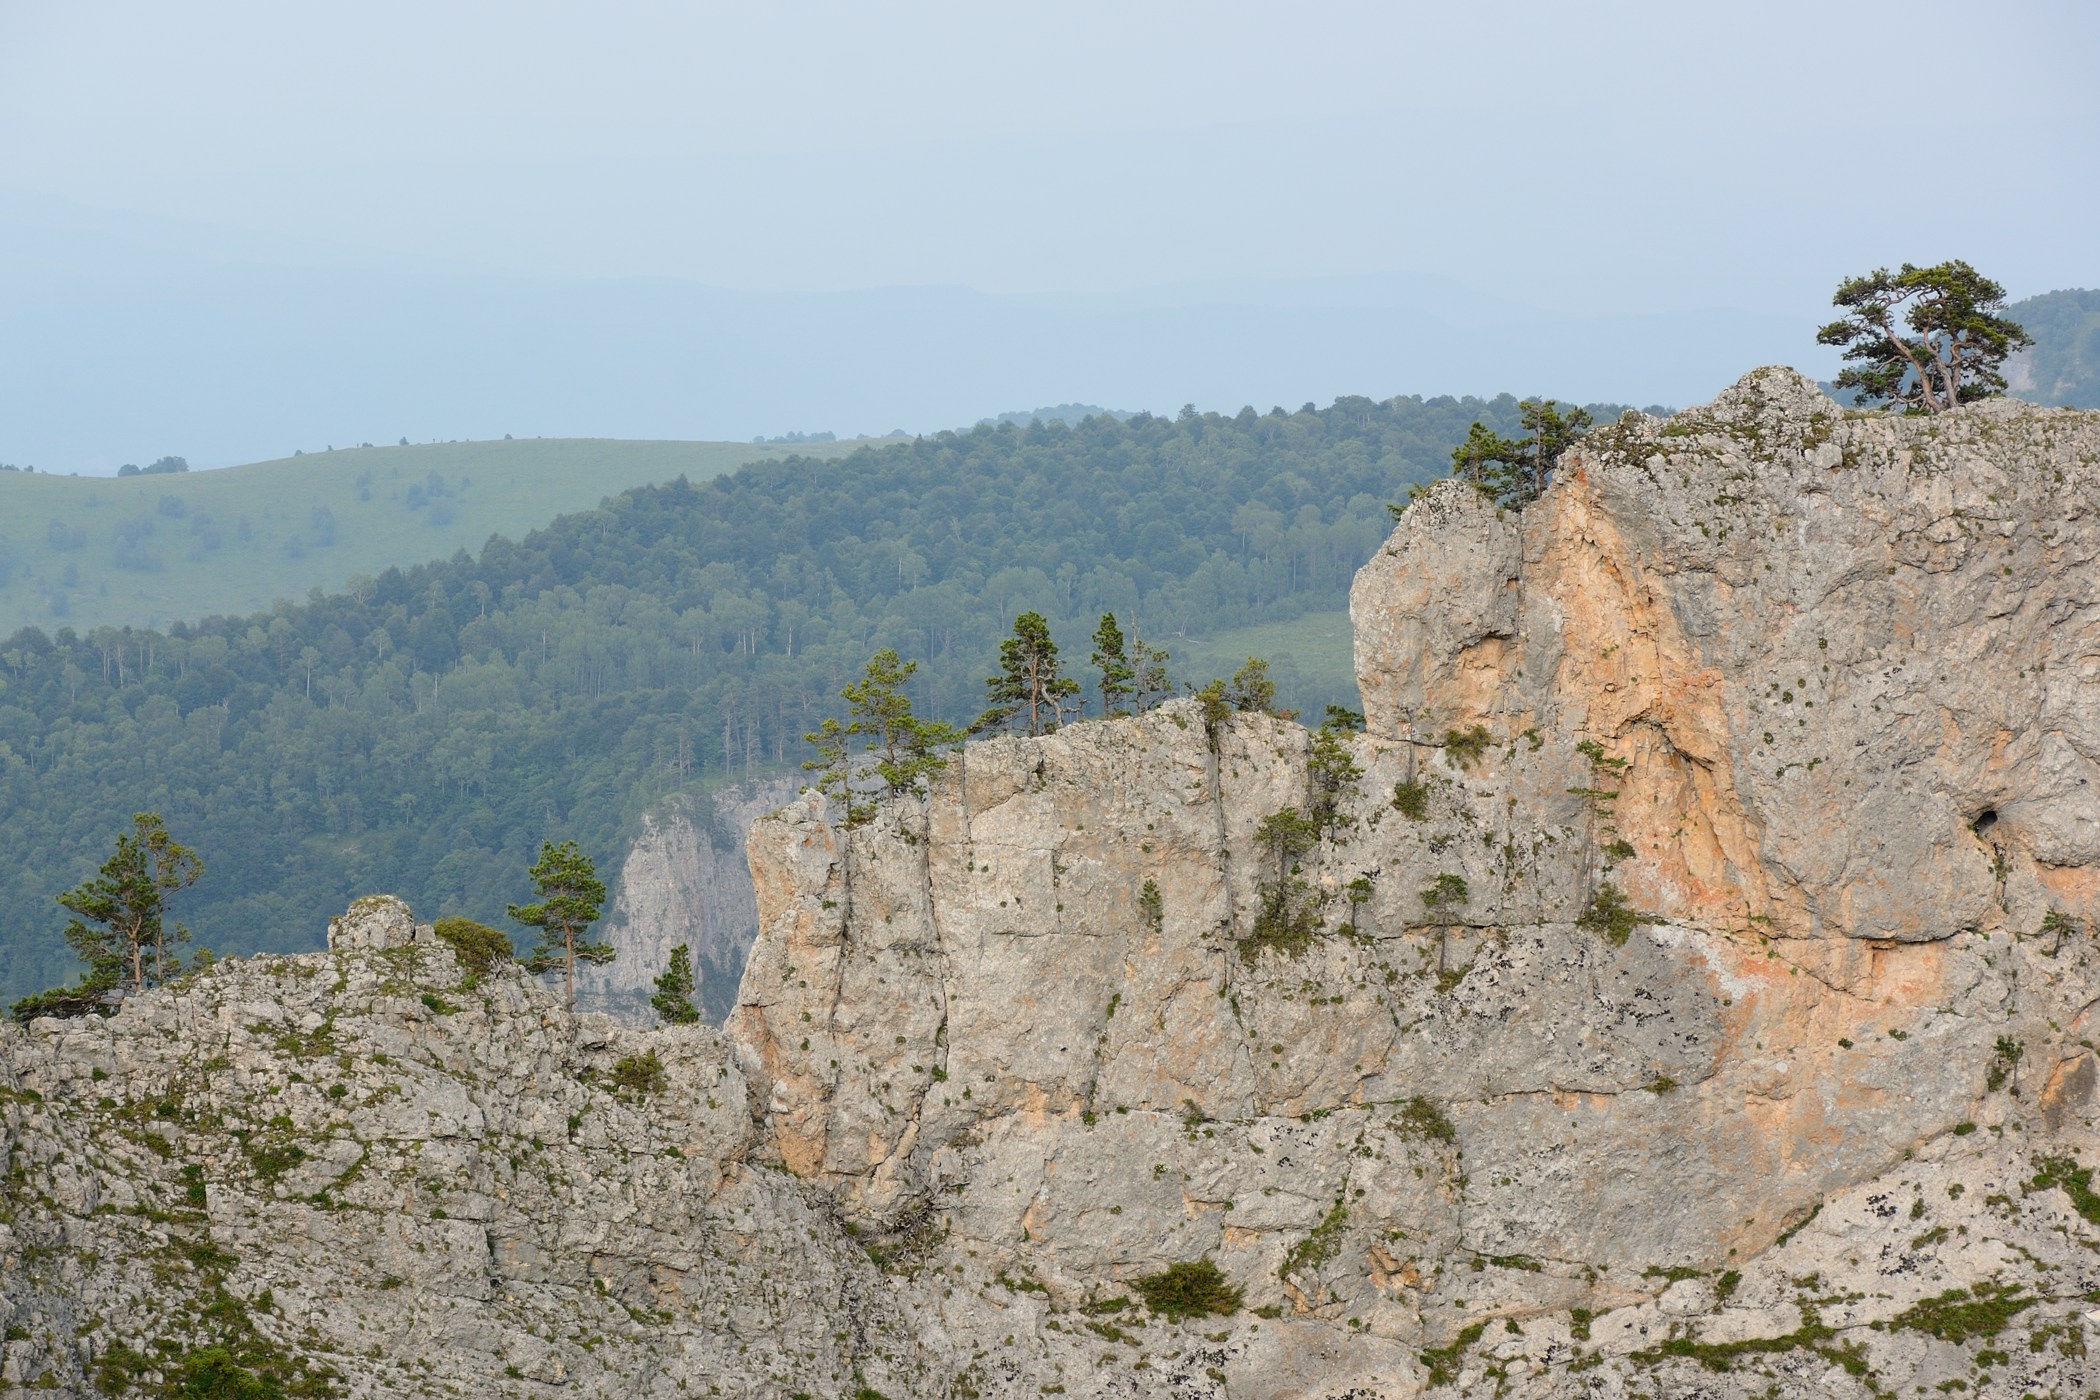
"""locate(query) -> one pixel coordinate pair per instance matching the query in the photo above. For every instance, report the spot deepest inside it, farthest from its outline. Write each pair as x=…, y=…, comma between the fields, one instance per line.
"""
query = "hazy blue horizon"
x=235, y=230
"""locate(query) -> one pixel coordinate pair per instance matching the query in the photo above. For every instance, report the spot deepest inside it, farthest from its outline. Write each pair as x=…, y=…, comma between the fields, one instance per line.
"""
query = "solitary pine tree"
x=1117, y=674
x=570, y=895
x=1950, y=350
x=1030, y=679
x=1251, y=688
x=119, y=928
x=674, y=989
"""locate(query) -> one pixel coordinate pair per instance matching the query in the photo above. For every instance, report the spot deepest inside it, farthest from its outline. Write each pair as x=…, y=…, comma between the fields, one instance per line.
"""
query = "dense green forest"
x=422, y=732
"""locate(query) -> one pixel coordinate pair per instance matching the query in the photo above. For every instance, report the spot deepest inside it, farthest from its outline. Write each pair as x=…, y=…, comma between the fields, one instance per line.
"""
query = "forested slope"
x=422, y=733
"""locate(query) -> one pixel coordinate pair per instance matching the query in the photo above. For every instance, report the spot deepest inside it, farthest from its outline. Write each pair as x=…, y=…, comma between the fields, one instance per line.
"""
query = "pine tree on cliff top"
x=1117, y=674
x=1031, y=680
x=905, y=747
x=570, y=896
x=1514, y=472
x=1950, y=350
x=119, y=927
x=903, y=744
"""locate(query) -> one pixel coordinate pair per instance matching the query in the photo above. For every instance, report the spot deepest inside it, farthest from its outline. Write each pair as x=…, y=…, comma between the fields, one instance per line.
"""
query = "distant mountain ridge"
x=1069, y=414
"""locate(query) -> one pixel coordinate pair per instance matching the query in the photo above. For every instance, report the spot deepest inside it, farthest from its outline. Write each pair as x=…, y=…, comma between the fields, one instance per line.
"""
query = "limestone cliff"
x=365, y=1172
x=1722, y=848
x=1684, y=985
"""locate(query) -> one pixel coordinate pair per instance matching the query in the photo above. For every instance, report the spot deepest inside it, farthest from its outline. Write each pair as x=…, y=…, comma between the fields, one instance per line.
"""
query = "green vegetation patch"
x=479, y=948
x=1442, y=1362
x=2076, y=1181
x=1320, y=1244
x=640, y=1074
x=1420, y=1118
x=1983, y=1310
x=1193, y=1288
x=1610, y=917
x=1467, y=746
x=1411, y=799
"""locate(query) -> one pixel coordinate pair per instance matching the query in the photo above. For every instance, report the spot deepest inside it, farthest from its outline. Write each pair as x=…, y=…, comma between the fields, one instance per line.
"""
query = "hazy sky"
x=1655, y=155
x=1576, y=158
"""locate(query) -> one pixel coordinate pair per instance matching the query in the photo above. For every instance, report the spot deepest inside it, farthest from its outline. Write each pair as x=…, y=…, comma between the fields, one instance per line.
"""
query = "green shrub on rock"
x=479, y=948
x=1189, y=1289
x=639, y=1074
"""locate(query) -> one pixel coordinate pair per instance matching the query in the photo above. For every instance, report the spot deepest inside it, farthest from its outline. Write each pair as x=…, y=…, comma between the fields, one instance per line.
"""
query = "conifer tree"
x=128, y=900
x=905, y=747
x=904, y=744
x=1514, y=472
x=1252, y=689
x=570, y=895
x=1948, y=352
x=1031, y=679
x=674, y=990
x=1117, y=673
x=119, y=927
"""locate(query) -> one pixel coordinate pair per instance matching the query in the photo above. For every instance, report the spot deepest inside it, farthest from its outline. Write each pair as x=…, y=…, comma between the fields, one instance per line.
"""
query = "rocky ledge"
x=1684, y=985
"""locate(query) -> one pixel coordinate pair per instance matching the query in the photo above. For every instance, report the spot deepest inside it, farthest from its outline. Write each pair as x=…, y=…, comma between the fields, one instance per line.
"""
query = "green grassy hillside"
x=146, y=550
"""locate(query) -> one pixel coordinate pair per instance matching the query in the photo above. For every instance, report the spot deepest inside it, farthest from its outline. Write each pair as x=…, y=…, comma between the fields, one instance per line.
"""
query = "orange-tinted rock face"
x=1845, y=661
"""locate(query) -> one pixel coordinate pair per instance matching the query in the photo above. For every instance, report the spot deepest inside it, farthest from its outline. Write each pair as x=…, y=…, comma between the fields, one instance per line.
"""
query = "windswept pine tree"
x=1950, y=348
x=120, y=929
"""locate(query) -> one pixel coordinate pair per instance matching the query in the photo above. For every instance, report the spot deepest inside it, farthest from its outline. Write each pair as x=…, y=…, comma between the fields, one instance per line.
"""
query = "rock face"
x=1719, y=851
x=685, y=880
x=1685, y=985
